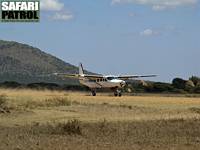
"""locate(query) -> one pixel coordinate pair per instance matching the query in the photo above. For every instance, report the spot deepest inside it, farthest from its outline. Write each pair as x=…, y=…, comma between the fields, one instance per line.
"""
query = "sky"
x=118, y=36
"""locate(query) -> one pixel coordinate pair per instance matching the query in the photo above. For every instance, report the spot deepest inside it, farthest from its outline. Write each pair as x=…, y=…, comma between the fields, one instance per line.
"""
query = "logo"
x=19, y=10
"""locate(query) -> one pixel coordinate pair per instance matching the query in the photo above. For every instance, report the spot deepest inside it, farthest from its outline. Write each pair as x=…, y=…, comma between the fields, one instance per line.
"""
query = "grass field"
x=70, y=120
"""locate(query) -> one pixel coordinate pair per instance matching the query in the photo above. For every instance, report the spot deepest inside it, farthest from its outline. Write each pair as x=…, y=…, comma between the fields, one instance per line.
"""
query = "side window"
x=91, y=80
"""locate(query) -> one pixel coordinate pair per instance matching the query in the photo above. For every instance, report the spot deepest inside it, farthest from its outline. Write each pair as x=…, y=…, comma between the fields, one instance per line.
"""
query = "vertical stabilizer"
x=81, y=72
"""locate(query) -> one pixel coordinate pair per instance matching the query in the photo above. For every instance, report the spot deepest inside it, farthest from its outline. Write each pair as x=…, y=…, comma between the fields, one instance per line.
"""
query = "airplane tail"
x=81, y=72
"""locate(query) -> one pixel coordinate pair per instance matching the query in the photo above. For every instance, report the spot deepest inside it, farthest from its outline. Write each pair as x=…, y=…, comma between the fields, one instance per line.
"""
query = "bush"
x=195, y=80
x=72, y=127
x=3, y=104
x=195, y=110
x=159, y=87
x=179, y=83
x=3, y=100
x=197, y=89
x=189, y=86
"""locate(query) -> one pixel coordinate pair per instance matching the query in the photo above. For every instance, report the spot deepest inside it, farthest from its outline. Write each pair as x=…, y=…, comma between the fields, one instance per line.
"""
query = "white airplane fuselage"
x=102, y=83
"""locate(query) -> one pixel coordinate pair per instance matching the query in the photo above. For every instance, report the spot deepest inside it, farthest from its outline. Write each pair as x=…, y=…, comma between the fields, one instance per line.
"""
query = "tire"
x=120, y=94
x=93, y=93
x=115, y=94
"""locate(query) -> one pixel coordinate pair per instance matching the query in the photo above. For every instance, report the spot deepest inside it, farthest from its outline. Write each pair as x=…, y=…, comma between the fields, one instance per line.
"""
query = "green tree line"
x=178, y=85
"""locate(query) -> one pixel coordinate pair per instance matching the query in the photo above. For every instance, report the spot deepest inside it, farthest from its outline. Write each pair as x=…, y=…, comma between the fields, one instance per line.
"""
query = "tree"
x=189, y=86
x=179, y=83
x=197, y=90
x=195, y=80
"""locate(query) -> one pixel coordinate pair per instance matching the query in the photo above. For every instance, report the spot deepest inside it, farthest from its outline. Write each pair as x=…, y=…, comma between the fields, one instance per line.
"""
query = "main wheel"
x=115, y=94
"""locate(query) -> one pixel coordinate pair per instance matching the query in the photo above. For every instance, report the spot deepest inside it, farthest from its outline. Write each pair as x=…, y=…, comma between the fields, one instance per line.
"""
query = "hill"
x=26, y=64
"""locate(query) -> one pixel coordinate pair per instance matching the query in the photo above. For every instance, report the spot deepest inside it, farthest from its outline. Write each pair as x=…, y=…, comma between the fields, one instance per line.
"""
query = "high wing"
x=123, y=77
x=126, y=77
x=93, y=76
x=67, y=75
x=78, y=75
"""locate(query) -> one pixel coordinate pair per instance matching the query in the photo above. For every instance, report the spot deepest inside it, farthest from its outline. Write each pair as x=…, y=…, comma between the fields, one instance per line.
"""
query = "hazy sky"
x=118, y=36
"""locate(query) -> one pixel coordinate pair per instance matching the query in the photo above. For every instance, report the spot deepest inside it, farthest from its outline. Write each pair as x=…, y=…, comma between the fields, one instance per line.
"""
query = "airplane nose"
x=123, y=83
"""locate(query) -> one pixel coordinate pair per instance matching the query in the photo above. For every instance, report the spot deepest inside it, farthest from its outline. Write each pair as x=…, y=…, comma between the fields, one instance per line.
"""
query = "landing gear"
x=93, y=93
x=118, y=93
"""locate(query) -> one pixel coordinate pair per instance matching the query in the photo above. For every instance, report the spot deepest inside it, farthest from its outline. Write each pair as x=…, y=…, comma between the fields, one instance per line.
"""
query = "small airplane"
x=115, y=83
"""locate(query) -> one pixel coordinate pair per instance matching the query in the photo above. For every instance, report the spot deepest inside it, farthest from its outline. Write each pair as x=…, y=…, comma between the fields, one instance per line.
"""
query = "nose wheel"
x=93, y=93
x=118, y=93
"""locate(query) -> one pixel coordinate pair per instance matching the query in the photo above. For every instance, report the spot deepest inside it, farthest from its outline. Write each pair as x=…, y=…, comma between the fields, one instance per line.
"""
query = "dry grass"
x=162, y=134
x=65, y=120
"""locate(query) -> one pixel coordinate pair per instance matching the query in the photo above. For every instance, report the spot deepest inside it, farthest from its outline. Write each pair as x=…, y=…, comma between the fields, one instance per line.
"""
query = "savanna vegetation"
x=38, y=111
x=178, y=86
x=24, y=66
x=43, y=119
